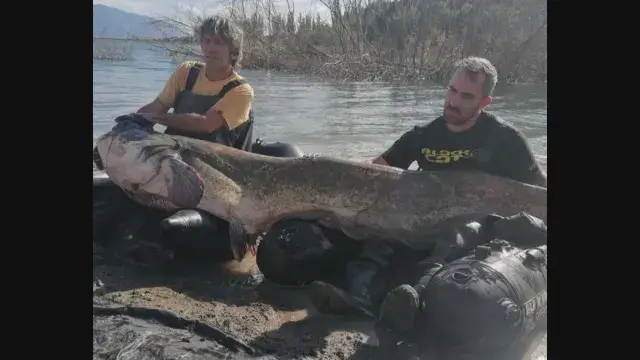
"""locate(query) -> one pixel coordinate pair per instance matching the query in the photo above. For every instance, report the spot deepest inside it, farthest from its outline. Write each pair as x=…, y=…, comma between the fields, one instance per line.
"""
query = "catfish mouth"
x=99, y=141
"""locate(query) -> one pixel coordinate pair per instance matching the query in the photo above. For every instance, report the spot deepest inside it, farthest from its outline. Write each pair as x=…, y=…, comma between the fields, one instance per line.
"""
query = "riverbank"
x=345, y=68
x=341, y=67
x=382, y=40
x=258, y=315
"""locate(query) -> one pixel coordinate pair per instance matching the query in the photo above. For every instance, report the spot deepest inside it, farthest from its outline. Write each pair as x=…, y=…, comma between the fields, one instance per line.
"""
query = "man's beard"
x=455, y=117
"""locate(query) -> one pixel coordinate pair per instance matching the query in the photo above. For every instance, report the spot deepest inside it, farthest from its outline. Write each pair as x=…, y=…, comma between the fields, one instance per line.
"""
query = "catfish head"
x=148, y=165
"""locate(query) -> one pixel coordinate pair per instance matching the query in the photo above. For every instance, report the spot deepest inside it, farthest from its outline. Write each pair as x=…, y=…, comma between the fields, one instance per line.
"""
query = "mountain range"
x=118, y=24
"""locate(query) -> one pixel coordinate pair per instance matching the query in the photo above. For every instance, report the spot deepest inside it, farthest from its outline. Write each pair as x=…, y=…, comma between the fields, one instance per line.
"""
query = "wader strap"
x=192, y=76
x=230, y=85
x=244, y=141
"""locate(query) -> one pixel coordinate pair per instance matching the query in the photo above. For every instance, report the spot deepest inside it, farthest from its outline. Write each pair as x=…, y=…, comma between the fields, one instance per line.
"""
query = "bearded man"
x=465, y=137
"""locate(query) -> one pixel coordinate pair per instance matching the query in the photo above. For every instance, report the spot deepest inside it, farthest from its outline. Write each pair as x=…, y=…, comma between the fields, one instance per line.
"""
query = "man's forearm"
x=530, y=176
x=148, y=109
x=154, y=107
x=191, y=122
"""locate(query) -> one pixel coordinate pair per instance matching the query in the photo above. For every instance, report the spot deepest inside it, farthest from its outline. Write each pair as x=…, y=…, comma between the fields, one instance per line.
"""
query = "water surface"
x=346, y=120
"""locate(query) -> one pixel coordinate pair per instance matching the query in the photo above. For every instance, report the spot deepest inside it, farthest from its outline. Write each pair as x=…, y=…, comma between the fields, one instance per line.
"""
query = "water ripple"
x=347, y=120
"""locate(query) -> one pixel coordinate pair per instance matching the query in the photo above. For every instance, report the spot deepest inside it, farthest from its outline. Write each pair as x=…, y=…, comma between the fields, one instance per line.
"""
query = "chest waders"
x=188, y=102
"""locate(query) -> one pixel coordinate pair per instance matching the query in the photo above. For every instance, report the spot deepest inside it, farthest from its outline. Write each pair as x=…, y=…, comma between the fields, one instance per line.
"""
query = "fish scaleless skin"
x=254, y=191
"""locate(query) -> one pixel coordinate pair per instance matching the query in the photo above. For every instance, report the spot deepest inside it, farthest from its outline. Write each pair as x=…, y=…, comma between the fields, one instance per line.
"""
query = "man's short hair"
x=476, y=65
x=229, y=32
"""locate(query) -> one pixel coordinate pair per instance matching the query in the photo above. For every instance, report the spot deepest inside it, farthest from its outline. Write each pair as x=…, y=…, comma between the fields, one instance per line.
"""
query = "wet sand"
x=272, y=319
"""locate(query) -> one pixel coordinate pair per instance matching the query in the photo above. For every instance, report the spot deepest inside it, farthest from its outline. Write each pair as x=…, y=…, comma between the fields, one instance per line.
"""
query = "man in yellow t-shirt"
x=210, y=100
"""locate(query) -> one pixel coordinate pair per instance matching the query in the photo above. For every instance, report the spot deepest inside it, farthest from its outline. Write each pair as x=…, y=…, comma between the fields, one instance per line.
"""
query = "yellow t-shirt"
x=234, y=106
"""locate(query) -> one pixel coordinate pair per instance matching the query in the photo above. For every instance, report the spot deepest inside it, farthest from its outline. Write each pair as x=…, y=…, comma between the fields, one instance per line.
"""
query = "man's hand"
x=149, y=117
x=539, y=177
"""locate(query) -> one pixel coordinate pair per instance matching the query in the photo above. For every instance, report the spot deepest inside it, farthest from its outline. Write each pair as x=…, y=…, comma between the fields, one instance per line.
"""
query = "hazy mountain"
x=115, y=23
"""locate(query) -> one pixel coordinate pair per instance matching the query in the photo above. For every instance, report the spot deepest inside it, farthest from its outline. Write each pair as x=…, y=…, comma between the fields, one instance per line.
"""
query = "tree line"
x=385, y=40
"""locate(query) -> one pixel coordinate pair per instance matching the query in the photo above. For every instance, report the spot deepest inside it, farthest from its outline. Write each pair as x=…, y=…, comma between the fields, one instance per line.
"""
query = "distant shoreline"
x=140, y=39
x=253, y=62
x=372, y=41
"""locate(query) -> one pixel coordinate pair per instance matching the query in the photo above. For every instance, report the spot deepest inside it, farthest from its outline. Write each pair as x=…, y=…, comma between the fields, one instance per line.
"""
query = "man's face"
x=464, y=97
x=216, y=52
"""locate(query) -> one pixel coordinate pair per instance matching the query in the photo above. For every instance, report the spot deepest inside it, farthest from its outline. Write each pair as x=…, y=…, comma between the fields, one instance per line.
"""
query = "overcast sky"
x=158, y=8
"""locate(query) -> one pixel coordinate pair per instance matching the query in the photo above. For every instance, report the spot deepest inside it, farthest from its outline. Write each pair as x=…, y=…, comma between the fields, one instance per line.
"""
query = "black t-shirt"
x=491, y=146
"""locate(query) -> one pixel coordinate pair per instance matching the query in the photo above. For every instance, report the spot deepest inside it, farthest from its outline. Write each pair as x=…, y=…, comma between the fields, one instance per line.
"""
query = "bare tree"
x=376, y=39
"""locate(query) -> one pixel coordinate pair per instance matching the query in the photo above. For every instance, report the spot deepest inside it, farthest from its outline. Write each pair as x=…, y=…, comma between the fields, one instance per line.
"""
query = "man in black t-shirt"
x=489, y=145
x=465, y=137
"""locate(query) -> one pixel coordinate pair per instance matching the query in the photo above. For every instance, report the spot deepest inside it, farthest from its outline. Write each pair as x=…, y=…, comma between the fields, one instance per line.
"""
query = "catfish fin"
x=238, y=238
x=182, y=184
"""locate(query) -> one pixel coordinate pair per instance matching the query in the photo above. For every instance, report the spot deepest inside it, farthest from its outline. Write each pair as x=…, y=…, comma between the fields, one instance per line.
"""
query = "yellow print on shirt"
x=445, y=156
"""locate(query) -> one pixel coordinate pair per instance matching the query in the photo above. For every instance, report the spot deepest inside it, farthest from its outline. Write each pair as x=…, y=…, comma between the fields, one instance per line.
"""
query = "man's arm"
x=164, y=101
x=401, y=153
x=154, y=107
x=517, y=160
x=231, y=111
x=157, y=110
x=235, y=106
x=191, y=122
